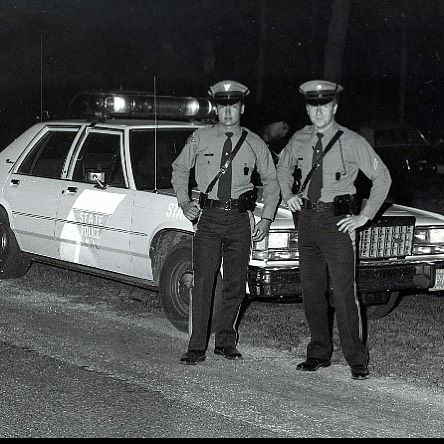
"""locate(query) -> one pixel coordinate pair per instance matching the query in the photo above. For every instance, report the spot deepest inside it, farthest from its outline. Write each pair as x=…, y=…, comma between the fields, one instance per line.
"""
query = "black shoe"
x=312, y=364
x=360, y=372
x=192, y=357
x=229, y=352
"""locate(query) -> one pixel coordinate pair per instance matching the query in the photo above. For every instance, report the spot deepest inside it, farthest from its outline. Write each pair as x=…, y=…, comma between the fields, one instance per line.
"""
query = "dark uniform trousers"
x=325, y=251
x=220, y=234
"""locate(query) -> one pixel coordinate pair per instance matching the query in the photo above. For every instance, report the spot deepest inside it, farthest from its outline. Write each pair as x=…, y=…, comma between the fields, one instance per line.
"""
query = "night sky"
x=51, y=49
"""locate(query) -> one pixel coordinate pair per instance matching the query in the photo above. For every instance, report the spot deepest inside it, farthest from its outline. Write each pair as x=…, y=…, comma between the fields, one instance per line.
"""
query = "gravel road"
x=99, y=327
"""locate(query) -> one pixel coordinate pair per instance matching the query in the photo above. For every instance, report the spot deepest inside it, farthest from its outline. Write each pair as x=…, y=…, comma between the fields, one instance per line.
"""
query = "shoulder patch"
x=191, y=139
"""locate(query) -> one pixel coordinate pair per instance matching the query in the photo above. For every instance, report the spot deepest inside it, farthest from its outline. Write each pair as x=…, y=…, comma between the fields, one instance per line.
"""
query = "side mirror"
x=97, y=177
x=94, y=175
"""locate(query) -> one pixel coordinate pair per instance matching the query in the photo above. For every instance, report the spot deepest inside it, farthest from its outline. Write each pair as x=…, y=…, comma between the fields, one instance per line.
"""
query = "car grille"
x=390, y=236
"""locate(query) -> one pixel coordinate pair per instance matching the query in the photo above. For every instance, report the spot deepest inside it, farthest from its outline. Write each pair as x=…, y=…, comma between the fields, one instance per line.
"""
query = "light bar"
x=127, y=104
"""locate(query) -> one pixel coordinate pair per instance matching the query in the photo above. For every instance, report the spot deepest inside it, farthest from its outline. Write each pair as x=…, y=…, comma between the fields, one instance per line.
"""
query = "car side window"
x=100, y=155
x=47, y=157
x=169, y=144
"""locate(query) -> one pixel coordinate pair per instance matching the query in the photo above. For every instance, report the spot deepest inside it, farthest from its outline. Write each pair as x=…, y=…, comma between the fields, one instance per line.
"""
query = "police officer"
x=327, y=223
x=225, y=225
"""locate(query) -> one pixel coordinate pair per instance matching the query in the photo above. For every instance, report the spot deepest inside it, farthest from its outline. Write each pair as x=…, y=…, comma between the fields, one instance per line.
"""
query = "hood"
x=423, y=217
x=284, y=218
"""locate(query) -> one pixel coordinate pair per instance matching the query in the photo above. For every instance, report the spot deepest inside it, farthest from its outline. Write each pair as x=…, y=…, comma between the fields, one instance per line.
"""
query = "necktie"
x=314, y=190
x=224, y=189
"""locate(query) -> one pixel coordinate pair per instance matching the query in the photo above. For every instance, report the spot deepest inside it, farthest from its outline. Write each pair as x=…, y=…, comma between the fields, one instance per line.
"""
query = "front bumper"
x=285, y=283
x=274, y=283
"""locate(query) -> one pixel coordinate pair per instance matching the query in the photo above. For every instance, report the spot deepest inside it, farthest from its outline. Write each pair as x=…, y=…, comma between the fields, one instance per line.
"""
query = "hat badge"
x=227, y=86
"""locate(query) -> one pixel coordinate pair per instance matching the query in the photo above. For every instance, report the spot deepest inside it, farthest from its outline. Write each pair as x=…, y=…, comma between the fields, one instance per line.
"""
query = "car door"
x=152, y=153
x=33, y=187
x=95, y=206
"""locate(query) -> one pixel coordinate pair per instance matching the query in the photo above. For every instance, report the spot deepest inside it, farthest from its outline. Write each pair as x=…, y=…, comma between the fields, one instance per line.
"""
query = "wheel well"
x=4, y=215
x=161, y=245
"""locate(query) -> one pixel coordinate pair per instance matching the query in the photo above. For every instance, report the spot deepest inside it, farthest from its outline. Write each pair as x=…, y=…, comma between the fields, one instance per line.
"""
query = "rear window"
x=47, y=157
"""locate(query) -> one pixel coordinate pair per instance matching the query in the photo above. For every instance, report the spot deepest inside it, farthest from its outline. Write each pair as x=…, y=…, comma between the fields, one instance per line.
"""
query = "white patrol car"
x=96, y=195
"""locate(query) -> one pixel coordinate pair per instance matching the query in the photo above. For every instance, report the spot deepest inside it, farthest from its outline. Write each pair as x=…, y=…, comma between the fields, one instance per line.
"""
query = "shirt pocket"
x=304, y=164
x=334, y=176
x=206, y=164
x=242, y=168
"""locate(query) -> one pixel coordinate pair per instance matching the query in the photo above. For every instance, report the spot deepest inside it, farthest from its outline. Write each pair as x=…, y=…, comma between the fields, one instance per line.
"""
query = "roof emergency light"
x=124, y=104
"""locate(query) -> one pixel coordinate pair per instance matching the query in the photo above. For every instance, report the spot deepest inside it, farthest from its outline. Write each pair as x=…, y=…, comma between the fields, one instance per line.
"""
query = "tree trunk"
x=403, y=65
x=335, y=46
x=260, y=74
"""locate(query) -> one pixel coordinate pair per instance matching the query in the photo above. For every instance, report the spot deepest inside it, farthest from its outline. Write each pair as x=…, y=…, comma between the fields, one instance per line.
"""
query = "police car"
x=95, y=194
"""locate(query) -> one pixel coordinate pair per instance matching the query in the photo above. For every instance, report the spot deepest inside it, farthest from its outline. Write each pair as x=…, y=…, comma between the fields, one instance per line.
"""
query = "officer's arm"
x=285, y=170
x=267, y=171
x=181, y=170
x=375, y=169
x=261, y=229
x=191, y=209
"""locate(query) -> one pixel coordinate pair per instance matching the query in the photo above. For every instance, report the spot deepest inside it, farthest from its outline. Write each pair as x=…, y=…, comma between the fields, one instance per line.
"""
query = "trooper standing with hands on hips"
x=328, y=221
x=225, y=225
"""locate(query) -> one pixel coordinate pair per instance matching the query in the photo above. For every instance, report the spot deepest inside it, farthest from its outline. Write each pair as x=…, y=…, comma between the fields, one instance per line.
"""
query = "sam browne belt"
x=246, y=201
x=227, y=205
x=317, y=206
x=342, y=205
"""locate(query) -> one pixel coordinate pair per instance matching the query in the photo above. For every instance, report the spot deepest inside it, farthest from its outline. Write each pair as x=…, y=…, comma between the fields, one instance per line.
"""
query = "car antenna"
x=155, y=134
x=41, y=77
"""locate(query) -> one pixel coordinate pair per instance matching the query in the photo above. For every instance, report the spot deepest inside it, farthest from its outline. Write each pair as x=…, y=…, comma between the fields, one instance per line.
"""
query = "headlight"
x=428, y=241
x=277, y=246
x=437, y=236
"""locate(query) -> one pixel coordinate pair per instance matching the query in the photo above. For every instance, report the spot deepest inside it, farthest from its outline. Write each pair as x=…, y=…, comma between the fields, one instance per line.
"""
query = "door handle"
x=72, y=190
x=15, y=181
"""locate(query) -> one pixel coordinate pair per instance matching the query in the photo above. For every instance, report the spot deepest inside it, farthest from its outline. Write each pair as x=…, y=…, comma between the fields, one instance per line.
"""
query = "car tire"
x=13, y=262
x=176, y=280
x=378, y=311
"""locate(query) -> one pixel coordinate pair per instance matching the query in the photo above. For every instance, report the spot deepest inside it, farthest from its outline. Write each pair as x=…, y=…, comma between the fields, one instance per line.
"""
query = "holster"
x=345, y=204
x=202, y=198
x=247, y=201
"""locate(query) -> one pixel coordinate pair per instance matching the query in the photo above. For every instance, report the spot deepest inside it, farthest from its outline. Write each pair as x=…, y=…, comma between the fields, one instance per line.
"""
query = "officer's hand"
x=261, y=229
x=295, y=203
x=350, y=223
x=190, y=209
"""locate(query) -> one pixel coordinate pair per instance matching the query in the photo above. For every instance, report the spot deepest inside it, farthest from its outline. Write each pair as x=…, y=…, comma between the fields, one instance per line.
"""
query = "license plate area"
x=439, y=280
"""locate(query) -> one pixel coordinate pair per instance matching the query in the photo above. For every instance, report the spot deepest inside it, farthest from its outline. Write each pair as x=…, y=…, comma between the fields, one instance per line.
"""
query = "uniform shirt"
x=340, y=166
x=203, y=150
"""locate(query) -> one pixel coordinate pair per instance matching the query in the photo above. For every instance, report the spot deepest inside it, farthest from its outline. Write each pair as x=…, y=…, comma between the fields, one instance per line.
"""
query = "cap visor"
x=227, y=101
x=319, y=101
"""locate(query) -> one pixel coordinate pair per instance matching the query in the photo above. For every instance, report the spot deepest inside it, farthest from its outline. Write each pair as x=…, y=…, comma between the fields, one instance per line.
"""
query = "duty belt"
x=317, y=206
x=230, y=204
